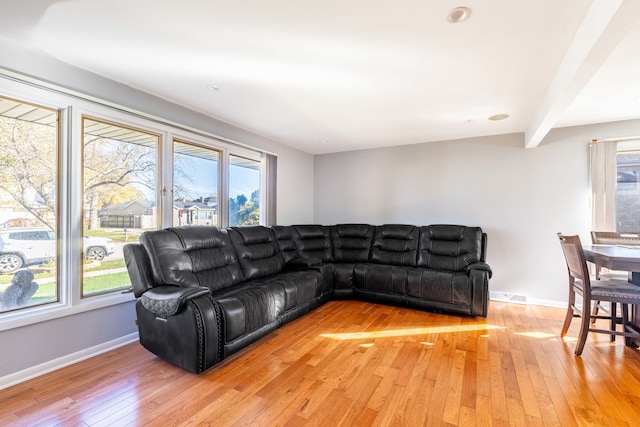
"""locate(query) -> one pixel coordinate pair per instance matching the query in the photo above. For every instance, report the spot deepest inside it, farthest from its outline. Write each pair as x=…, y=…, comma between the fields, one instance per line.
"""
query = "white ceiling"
x=337, y=75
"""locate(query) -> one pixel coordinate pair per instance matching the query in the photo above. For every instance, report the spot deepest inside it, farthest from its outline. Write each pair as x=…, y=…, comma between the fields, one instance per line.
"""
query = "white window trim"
x=73, y=105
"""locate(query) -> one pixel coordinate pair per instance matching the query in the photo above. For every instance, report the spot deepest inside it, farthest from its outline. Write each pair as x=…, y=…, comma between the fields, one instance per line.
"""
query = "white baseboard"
x=523, y=299
x=61, y=362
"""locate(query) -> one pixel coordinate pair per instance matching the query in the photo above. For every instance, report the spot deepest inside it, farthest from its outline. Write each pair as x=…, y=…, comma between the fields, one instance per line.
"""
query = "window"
x=29, y=148
x=244, y=191
x=79, y=179
x=119, y=199
x=195, y=184
x=627, y=187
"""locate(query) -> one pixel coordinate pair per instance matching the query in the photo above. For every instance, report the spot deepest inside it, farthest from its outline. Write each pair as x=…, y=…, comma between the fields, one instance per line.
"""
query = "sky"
x=203, y=176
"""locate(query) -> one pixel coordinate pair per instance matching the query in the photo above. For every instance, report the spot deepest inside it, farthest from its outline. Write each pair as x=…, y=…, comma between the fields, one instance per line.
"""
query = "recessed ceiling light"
x=459, y=14
x=213, y=87
x=322, y=141
x=497, y=117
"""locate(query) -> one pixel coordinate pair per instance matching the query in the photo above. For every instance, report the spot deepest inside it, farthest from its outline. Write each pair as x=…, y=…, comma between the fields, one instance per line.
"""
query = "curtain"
x=603, y=185
x=271, y=190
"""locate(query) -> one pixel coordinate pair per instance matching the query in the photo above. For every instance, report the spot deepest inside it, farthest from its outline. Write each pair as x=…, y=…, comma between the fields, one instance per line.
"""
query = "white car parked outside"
x=22, y=246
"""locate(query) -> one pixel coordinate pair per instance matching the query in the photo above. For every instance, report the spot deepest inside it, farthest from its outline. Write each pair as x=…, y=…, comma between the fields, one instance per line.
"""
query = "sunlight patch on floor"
x=535, y=334
x=406, y=332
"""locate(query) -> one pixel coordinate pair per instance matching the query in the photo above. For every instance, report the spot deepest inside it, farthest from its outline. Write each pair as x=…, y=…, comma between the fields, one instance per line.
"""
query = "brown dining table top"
x=614, y=257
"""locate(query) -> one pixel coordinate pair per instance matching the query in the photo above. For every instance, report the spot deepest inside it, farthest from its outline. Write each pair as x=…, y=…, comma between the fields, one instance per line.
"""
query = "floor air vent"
x=507, y=297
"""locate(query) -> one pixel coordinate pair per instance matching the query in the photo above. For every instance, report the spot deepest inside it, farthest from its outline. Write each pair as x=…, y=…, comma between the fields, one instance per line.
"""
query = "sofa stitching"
x=201, y=341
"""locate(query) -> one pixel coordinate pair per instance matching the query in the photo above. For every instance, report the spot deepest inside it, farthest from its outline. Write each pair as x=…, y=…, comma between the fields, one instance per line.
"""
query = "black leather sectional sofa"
x=205, y=293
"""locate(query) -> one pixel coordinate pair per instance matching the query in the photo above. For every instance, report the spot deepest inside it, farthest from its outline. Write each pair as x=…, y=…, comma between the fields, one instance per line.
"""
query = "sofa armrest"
x=164, y=301
x=298, y=263
x=192, y=338
x=139, y=268
x=483, y=266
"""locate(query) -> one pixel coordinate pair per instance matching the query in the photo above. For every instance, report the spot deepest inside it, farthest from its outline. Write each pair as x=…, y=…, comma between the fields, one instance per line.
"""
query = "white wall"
x=520, y=197
x=27, y=349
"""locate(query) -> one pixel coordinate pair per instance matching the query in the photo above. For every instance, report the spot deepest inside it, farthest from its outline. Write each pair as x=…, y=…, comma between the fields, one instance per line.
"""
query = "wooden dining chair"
x=614, y=291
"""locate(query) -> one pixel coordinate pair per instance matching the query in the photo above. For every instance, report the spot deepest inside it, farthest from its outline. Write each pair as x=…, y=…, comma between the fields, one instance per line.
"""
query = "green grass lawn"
x=104, y=265
x=94, y=284
x=117, y=235
x=47, y=291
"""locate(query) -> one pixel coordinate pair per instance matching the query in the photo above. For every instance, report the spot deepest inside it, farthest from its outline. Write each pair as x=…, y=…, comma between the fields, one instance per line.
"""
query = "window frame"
x=128, y=125
x=207, y=144
x=71, y=107
x=626, y=146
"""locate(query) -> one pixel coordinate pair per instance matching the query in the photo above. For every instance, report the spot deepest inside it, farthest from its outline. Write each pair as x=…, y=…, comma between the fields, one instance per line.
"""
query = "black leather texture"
x=206, y=293
x=258, y=252
x=351, y=242
x=164, y=301
x=312, y=241
x=192, y=256
x=285, y=242
x=139, y=268
x=395, y=244
x=189, y=339
x=449, y=247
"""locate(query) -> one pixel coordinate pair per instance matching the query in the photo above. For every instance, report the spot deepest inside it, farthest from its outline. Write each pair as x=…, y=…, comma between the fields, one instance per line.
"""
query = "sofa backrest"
x=285, y=242
x=257, y=249
x=450, y=247
x=351, y=242
x=312, y=241
x=395, y=244
x=192, y=256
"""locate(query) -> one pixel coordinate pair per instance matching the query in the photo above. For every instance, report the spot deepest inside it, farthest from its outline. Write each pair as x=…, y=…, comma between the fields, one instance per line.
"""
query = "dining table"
x=620, y=258
x=616, y=257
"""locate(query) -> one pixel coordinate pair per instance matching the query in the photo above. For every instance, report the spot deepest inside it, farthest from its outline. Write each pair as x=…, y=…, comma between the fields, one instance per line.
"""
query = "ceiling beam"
x=606, y=23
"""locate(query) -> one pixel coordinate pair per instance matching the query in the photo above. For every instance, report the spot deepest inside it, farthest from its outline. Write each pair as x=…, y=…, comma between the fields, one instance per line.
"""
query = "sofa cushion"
x=389, y=279
x=249, y=307
x=351, y=242
x=439, y=286
x=257, y=250
x=285, y=242
x=395, y=244
x=299, y=287
x=192, y=256
x=449, y=247
x=312, y=241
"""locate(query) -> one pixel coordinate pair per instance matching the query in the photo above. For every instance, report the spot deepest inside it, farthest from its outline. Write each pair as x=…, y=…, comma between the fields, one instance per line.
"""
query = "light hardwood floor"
x=358, y=364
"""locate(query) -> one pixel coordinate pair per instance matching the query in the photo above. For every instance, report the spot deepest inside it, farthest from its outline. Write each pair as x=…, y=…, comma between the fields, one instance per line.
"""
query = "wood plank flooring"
x=352, y=363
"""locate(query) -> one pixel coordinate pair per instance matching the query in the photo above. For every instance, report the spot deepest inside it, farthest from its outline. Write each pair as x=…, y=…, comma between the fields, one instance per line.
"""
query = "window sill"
x=39, y=314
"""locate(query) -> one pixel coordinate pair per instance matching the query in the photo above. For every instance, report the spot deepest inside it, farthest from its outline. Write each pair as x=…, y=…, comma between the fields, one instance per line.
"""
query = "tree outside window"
x=244, y=188
x=28, y=204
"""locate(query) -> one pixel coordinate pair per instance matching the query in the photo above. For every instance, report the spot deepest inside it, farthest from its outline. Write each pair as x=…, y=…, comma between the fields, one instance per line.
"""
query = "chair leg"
x=584, y=330
x=596, y=310
x=567, y=321
x=625, y=321
x=596, y=307
x=614, y=320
